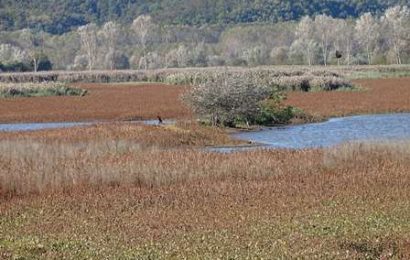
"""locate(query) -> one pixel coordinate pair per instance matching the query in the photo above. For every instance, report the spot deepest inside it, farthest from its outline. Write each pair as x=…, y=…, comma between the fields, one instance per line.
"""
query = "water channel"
x=325, y=134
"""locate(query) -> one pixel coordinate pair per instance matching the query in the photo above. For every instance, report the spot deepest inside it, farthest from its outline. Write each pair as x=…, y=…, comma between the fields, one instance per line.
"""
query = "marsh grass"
x=55, y=160
x=13, y=90
x=188, y=75
x=118, y=199
x=380, y=74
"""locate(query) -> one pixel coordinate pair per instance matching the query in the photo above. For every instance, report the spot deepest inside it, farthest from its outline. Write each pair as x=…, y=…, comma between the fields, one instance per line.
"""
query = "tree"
x=31, y=43
x=142, y=26
x=80, y=62
x=184, y=57
x=44, y=63
x=343, y=38
x=10, y=54
x=279, y=55
x=150, y=61
x=12, y=58
x=110, y=34
x=367, y=34
x=88, y=36
x=396, y=21
x=305, y=38
x=227, y=98
x=324, y=25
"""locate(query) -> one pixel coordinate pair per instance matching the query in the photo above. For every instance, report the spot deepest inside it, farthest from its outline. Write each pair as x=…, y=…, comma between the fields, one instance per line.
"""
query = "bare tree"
x=396, y=22
x=10, y=54
x=142, y=26
x=110, y=33
x=32, y=46
x=88, y=35
x=227, y=98
x=324, y=25
x=367, y=34
x=305, y=38
x=343, y=38
x=183, y=56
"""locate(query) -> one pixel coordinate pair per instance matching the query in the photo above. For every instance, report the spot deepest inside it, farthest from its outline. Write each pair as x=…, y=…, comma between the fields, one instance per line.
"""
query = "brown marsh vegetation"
x=375, y=96
x=119, y=200
x=149, y=192
x=147, y=100
x=102, y=102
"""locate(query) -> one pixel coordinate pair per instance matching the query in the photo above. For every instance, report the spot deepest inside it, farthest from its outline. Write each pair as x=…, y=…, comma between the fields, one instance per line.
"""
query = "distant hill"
x=59, y=16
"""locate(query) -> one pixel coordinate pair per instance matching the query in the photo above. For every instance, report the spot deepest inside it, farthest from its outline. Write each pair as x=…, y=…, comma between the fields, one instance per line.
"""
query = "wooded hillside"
x=59, y=16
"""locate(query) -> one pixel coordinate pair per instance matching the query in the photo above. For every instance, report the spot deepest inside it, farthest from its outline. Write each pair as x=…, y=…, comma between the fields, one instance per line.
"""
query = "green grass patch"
x=39, y=90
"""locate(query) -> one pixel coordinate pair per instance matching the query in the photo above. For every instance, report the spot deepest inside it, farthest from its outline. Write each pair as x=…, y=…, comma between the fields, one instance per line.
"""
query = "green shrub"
x=275, y=114
x=231, y=100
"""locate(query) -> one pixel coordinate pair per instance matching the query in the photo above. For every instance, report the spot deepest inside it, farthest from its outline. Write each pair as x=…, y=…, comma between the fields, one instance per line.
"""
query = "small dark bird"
x=159, y=119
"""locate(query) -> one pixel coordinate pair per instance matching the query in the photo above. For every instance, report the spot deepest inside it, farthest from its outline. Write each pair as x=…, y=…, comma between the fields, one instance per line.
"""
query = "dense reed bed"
x=116, y=196
x=185, y=75
x=30, y=161
x=176, y=76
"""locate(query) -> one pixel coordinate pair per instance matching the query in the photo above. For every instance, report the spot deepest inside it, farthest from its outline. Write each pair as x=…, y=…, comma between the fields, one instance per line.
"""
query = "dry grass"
x=42, y=161
x=191, y=204
x=174, y=75
x=183, y=133
x=103, y=102
x=161, y=75
x=377, y=96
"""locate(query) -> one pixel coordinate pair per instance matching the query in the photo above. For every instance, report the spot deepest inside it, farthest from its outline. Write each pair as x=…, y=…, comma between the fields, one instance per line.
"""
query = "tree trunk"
x=35, y=64
x=369, y=58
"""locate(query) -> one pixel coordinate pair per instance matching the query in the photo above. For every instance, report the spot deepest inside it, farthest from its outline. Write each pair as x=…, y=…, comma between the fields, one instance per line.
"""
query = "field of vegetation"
x=195, y=75
x=133, y=192
x=12, y=90
x=126, y=101
x=375, y=96
x=102, y=102
x=123, y=190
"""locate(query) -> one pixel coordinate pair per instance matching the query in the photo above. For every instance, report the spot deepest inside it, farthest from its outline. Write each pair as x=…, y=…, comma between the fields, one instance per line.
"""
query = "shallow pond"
x=333, y=131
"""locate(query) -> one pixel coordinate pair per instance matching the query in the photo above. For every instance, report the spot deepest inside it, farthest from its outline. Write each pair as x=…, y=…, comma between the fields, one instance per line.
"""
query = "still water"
x=333, y=131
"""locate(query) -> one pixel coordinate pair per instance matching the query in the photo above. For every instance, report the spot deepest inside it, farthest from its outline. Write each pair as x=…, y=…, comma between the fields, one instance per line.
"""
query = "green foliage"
x=39, y=90
x=271, y=115
x=44, y=64
x=16, y=67
x=61, y=16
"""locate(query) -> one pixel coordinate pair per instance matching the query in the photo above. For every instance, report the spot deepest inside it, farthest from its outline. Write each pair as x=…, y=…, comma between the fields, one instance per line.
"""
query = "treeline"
x=60, y=16
x=145, y=44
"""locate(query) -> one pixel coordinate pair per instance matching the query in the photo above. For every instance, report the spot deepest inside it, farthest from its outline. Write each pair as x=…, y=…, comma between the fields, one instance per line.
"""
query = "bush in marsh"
x=231, y=99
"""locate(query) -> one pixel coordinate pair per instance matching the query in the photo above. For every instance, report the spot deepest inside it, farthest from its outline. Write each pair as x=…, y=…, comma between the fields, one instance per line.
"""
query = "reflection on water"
x=38, y=126
x=333, y=132
x=19, y=127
